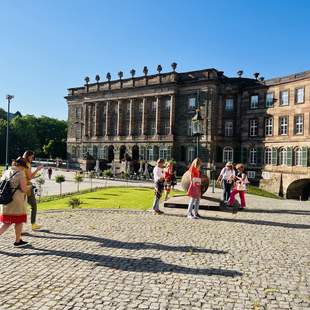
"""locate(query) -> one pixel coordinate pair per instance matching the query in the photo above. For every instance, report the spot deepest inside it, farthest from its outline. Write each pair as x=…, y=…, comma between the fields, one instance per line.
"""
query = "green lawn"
x=260, y=192
x=114, y=197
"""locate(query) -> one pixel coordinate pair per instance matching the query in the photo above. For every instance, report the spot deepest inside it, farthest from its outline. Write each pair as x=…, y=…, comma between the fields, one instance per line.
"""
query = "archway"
x=299, y=189
x=135, y=152
x=111, y=153
x=122, y=152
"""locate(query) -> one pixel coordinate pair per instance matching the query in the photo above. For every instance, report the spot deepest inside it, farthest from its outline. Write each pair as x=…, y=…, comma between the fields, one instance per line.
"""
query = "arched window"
x=228, y=154
x=268, y=156
x=191, y=154
x=297, y=157
x=253, y=156
x=283, y=156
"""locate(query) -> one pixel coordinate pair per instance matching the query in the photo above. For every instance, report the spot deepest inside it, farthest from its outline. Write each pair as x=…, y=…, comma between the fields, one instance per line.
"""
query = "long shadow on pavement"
x=109, y=243
x=145, y=264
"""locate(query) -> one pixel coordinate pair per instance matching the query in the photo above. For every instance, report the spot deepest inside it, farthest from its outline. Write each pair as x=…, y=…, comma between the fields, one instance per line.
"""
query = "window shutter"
x=169, y=153
x=259, y=156
x=304, y=156
x=289, y=160
x=274, y=156
x=244, y=155
x=142, y=153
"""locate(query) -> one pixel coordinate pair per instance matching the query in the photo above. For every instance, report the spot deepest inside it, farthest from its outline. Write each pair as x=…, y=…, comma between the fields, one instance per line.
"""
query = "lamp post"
x=8, y=98
x=197, y=121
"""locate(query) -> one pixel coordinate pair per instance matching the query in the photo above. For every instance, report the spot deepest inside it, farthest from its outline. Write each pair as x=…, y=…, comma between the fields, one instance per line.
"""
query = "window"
x=78, y=131
x=166, y=128
x=299, y=95
x=228, y=154
x=229, y=104
x=282, y=156
x=268, y=156
x=269, y=100
x=78, y=113
x=254, y=102
x=299, y=124
x=153, y=129
x=189, y=127
x=228, y=128
x=167, y=105
x=139, y=129
x=191, y=154
x=150, y=153
x=253, y=156
x=253, y=127
x=284, y=98
x=128, y=110
x=192, y=103
x=140, y=107
x=268, y=126
x=298, y=157
x=251, y=174
x=153, y=106
x=283, y=125
x=163, y=153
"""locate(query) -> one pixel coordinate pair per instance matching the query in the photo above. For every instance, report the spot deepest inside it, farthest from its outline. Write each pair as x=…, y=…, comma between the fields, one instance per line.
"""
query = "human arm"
x=31, y=175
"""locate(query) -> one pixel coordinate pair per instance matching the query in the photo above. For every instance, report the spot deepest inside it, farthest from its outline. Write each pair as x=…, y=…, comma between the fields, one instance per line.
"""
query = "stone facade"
x=264, y=124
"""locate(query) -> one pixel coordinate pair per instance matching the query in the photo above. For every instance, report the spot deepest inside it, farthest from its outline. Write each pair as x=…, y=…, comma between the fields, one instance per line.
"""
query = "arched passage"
x=135, y=152
x=299, y=189
x=122, y=152
x=111, y=153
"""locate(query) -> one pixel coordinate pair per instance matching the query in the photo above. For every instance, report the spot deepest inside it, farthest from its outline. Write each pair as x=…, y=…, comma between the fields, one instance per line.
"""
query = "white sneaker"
x=189, y=216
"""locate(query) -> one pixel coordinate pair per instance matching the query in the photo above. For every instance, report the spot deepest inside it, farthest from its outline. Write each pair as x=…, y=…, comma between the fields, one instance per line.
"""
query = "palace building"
x=261, y=123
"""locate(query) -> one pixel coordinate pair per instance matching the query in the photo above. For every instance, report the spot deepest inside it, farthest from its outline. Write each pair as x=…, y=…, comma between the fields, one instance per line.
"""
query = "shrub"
x=74, y=202
x=108, y=173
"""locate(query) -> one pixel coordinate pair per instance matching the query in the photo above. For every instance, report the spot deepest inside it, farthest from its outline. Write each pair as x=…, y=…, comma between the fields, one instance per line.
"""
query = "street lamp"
x=8, y=98
x=197, y=121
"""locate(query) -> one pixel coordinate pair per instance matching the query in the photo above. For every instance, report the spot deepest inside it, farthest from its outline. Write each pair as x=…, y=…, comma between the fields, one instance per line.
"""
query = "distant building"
x=264, y=124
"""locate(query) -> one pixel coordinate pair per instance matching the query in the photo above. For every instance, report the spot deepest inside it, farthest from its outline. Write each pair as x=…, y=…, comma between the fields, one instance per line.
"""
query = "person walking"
x=168, y=175
x=226, y=178
x=49, y=172
x=15, y=212
x=194, y=190
x=31, y=199
x=158, y=184
x=240, y=187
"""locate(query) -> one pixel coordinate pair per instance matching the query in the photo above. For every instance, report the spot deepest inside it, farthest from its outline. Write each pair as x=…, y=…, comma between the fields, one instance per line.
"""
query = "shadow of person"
x=145, y=264
x=110, y=243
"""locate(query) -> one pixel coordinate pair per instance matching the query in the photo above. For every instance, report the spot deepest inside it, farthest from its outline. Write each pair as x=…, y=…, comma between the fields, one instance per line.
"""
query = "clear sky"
x=48, y=46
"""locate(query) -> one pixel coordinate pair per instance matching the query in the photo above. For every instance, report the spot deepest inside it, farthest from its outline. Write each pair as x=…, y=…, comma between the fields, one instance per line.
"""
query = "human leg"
x=33, y=204
x=190, y=207
x=232, y=197
x=196, y=207
x=4, y=227
x=242, y=199
x=18, y=231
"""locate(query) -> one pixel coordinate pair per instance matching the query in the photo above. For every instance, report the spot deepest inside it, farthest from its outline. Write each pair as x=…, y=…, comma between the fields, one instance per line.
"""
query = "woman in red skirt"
x=15, y=212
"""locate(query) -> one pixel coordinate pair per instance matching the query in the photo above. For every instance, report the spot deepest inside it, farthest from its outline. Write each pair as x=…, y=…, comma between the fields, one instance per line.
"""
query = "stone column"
x=96, y=114
x=119, y=118
x=130, y=117
x=157, y=115
x=85, y=118
x=90, y=120
x=107, y=118
x=172, y=114
x=144, y=116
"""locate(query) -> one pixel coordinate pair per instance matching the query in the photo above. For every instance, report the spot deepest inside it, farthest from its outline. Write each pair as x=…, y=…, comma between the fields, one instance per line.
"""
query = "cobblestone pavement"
x=257, y=259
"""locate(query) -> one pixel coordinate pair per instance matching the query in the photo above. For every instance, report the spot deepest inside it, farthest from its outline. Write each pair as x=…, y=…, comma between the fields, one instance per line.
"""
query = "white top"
x=227, y=174
x=158, y=173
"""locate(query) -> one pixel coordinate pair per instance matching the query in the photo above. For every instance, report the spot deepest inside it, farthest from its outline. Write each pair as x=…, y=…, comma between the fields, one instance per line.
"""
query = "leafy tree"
x=60, y=179
x=78, y=178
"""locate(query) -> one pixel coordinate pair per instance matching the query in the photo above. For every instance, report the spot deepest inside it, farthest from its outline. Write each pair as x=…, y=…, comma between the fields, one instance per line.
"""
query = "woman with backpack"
x=15, y=212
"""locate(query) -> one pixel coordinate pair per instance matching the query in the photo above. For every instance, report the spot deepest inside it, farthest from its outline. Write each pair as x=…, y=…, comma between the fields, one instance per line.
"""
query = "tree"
x=40, y=182
x=60, y=179
x=78, y=178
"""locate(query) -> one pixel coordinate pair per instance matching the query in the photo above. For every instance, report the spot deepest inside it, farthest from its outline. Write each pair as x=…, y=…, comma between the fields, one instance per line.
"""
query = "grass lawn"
x=113, y=197
x=260, y=192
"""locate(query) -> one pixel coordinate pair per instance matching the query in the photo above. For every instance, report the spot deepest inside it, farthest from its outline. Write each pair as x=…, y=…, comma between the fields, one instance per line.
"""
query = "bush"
x=108, y=173
x=74, y=202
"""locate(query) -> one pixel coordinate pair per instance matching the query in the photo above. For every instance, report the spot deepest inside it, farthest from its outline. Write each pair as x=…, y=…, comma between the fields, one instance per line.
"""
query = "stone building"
x=262, y=123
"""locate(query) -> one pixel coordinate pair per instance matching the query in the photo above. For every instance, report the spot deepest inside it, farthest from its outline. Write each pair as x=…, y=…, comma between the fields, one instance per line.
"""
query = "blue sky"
x=48, y=46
